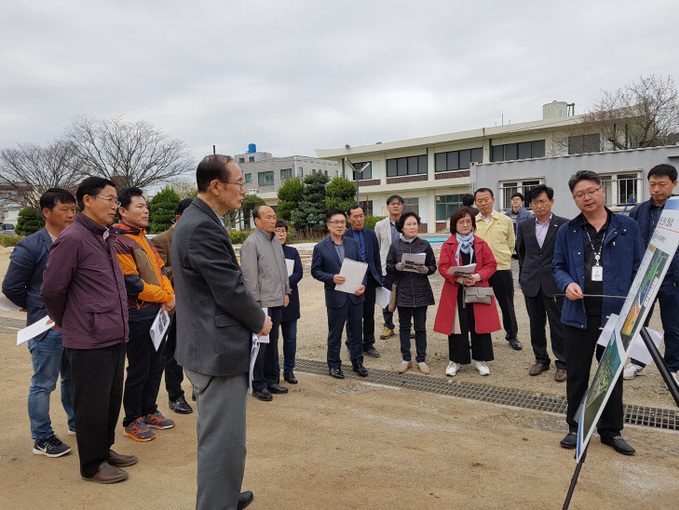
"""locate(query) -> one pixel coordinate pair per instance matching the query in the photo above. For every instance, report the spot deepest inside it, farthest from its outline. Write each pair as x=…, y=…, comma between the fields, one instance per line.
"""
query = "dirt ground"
x=355, y=444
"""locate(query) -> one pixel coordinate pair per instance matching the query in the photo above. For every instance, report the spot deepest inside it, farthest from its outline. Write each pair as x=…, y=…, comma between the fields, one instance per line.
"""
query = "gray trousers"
x=221, y=438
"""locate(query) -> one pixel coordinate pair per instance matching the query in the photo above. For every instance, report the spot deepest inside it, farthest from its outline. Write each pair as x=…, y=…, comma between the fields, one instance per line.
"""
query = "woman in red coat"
x=455, y=318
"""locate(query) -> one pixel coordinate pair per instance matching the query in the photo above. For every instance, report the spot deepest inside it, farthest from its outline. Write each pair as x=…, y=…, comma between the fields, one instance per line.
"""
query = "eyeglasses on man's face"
x=337, y=222
x=586, y=193
x=110, y=200
x=240, y=184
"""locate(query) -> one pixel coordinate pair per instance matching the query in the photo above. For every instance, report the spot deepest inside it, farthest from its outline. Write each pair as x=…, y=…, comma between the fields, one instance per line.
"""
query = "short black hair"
x=517, y=194
x=352, y=207
x=214, y=166
x=393, y=197
x=663, y=169
x=482, y=190
x=538, y=190
x=468, y=200
x=52, y=196
x=333, y=212
x=583, y=175
x=125, y=195
x=281, y=223
x=91, y=186
x=182, y=205
x=404, y=217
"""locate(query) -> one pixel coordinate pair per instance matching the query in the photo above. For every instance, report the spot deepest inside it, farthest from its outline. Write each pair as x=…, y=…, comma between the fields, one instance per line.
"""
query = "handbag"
x=392, y=299
x=478, y=295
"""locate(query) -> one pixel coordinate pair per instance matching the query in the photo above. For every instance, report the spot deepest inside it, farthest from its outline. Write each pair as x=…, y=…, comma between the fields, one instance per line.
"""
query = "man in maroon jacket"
x=84, y=293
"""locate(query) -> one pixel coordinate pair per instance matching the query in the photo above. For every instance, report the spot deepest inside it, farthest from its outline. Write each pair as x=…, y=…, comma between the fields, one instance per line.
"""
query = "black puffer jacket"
x=412, y=289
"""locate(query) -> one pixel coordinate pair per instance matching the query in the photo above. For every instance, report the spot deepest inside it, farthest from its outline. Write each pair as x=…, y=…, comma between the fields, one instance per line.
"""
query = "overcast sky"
x=298, y=75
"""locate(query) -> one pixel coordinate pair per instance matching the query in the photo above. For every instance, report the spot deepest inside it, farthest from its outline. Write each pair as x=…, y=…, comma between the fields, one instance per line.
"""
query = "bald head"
x=265, y=218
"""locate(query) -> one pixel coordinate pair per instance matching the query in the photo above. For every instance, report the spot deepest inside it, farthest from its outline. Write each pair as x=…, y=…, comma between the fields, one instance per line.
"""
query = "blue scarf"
x=465, y=244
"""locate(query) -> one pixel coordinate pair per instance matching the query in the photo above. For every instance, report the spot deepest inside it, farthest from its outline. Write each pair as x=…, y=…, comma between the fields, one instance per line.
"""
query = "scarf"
x=465, y=244
x=408, y=240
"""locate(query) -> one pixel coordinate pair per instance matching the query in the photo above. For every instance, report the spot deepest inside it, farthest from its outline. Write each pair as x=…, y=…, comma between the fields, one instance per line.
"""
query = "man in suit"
x=22, y=286
x=535, y=239
x=217, y=317
x=326, y=264
x=370, y=253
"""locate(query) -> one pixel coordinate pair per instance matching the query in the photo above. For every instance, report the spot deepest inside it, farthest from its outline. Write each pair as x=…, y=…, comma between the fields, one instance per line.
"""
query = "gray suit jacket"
x=216, y=315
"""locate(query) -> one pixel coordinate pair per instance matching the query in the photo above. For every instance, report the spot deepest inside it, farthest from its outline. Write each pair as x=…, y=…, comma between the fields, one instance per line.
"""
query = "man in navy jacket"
x=22, y=287
x=370, y=253
x=596, y=254
x=326, y=263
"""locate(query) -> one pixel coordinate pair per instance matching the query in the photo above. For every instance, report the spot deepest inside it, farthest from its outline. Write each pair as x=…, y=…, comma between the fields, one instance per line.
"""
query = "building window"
x=251, y=159
x=301, y=172
x=509, y=188
x=248, y=178
x=446, y=204
x=366, y=173
x=622, y=189
x=412, y=165
x=367, y=207
x=457, y=160
x=286, y=173
x=411, y=205
x=241, y=160
x=584, y=143
x=265, y=178
x=523, y=150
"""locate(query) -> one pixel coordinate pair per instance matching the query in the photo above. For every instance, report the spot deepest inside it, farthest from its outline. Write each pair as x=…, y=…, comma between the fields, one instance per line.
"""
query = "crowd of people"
x=103, y=285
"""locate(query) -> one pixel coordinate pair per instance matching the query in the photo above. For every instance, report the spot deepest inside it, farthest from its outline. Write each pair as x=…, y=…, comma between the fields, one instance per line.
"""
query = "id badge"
x=597, y=273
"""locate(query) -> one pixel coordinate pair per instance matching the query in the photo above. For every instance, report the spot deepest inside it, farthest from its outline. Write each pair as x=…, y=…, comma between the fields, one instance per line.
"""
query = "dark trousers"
x=349, y=314
x=289, y=332
x=267, y=371
x=174, y=374
x=458, y=344
x=418, y=315
x=540, y=308
x=579, y=347
x=368, y=315
x=503, y=287
x=145, y=368
x=97, y=376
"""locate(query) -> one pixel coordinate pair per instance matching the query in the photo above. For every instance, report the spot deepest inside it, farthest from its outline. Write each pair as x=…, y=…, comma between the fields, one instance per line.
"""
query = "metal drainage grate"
x=13, y=323
x=636, y=415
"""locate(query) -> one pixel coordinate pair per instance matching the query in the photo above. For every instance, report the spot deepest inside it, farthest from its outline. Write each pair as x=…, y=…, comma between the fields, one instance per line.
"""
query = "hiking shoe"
x=139, y=431
x=631, y=371
x=51, y=447
x=386, y=333
x=158, y=421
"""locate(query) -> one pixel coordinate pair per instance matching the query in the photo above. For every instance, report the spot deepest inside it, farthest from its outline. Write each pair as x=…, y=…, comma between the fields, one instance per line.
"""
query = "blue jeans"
x=49, y=361
x=289, y=331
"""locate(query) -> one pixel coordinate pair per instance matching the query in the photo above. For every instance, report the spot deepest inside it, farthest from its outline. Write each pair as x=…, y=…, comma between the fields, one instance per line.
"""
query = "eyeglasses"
x=396, y=203
x=240, y=184
x=337, y=222
x=110, y=200
x=588, y=192
x=281, y=231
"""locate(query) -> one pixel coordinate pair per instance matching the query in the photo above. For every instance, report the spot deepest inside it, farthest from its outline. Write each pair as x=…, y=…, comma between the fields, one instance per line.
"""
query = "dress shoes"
x=570, y=441
x=537, y=369
x=108, y=474
x=290, y=378
x=117, y=460
x=372, y=352
x=181, y=406
x=561, y=375
x=360, y=370
x=277, y=389
x=515, y=344
x=264, y=395
x=245, y=499
x=336, y=373
x=618, y=444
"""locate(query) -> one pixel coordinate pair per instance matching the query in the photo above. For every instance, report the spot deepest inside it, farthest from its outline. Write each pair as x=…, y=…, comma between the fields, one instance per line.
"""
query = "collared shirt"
x=394, y=232
x=339, y=248
x=361, y=244
x=498, y=232
x=541, y=229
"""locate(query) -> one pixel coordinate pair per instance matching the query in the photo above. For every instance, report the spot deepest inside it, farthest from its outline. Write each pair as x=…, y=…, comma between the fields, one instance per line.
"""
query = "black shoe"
x=360, y=370
x=181, y=406
x=277, y=389
x=52, y=447
x=193, y=396
x=618, y=444
x=264, y=395
x=570, y=441
x=245, y=499
x=372, y=352
x=290, y=377
x=336, y=373
x=515, y=344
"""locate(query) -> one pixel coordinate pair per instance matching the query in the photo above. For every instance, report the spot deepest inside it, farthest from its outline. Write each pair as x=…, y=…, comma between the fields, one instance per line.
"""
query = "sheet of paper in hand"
x=353, y=271
x=467, y=270
x=412, y=261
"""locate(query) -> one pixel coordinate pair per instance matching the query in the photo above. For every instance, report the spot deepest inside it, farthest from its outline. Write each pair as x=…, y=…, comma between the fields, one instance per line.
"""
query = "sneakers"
x=404, y=366
x=452, y=368
x=139, y=430
x=423, y=368
x=631, y=371
x=386, y=333
x=71, y=432
x=158, y=421
x=481, y=367
x=51, y=447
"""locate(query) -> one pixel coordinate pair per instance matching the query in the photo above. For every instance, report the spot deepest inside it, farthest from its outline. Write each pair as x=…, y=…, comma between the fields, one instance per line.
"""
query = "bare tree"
x=129, y=154
x=30, y=169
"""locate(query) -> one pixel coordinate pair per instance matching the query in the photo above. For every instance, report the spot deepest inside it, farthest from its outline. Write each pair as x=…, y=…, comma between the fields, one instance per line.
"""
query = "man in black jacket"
x=535, y=239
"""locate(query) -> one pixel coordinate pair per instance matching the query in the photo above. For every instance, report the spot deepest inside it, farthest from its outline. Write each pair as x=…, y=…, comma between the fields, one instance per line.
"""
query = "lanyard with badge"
x=597, y=269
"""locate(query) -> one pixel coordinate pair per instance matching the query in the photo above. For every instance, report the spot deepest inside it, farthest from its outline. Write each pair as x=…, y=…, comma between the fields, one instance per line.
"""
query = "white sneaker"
x=481, y=367
x=452, y=368
x=631, y=371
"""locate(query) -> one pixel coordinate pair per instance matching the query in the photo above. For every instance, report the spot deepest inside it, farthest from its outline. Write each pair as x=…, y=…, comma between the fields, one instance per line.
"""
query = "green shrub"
x=162, y=208
x=8, y=241
x=371, y=221
x=30, y=221
x=237, y=237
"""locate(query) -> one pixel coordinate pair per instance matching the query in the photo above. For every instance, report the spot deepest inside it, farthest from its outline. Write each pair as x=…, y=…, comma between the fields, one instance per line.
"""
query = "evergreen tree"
x=289, y=196
x=341, y=193
x=162, y=208
x=29, y=222
x=310, y=212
